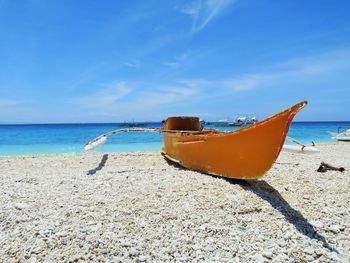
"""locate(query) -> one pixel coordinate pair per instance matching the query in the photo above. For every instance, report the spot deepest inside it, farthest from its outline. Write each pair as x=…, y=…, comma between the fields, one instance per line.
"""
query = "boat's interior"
x=187, y=126
x=183, y=124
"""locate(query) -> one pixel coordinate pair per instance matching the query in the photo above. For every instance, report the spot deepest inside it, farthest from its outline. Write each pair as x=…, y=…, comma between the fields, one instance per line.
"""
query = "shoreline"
x=78, y=154
x=137, y=207
x=136, y=151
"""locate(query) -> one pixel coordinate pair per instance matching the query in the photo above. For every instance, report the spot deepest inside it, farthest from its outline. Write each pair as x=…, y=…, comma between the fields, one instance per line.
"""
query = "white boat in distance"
x=341, y=136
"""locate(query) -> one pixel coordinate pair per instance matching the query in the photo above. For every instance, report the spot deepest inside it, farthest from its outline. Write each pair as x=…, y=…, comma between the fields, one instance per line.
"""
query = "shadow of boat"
x=266, y=192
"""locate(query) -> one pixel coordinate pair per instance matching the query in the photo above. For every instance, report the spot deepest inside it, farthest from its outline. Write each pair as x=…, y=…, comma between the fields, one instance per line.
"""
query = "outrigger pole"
x=100, y=140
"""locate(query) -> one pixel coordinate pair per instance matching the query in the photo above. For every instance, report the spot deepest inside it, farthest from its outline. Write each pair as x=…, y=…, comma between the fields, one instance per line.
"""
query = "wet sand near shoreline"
x=137, y=207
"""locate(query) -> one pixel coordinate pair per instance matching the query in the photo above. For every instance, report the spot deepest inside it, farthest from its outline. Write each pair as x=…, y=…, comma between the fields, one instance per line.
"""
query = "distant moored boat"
x=341, y=136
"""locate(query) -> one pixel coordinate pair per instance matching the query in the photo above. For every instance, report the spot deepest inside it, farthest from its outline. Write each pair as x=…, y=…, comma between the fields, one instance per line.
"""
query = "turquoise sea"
x=71, y=138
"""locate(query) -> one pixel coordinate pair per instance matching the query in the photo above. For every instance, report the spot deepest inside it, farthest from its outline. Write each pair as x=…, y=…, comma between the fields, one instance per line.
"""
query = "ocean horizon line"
x=141, y=122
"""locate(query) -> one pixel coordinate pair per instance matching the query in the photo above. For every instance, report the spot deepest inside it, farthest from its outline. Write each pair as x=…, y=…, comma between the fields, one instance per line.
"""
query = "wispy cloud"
x=140, y=100
x=132, y=64
x=177, y=61
x=157, y=99
x=13, y=110
x=195, y=83
x=9, y=103
x=104, y=97
x=204, y=11
x=304, y=69
x=159, y=102
x=247, y=82
x=164, y=96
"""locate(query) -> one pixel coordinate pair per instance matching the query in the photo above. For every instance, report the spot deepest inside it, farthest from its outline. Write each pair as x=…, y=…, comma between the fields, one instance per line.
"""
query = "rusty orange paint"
x=247, y=153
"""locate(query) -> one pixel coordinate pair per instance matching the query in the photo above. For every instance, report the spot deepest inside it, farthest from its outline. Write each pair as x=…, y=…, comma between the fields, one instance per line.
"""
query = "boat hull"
x=247, y=153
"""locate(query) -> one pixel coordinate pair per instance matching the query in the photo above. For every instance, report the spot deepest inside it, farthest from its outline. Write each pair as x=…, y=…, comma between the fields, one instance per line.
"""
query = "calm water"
x=71, y=138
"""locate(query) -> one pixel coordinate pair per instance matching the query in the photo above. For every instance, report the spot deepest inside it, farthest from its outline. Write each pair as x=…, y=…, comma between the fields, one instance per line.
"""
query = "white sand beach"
x=136, y=207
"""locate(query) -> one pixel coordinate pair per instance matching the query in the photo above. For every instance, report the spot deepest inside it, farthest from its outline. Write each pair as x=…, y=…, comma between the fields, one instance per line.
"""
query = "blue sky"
x=110, y=61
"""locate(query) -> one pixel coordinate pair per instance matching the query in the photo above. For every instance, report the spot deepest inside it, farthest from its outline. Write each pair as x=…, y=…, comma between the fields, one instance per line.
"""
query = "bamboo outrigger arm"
x=100, y=140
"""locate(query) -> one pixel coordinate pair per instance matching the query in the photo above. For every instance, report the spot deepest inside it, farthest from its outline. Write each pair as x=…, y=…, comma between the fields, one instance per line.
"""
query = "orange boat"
x=247, y=153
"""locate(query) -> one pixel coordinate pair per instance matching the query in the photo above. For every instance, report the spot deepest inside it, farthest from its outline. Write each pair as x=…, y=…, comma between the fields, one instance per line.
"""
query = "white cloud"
x=204, y=11
x=104, y=97
x=133, y=64
x=156, y=98
x=14, y=111
x=195, y=83
x=159, y=102
x=168, y=95
x=145, y=99
x=8, y=102
x=171, y=64
x=151, y=100
x=177, y=61
x=247, y=82
x=305, y=69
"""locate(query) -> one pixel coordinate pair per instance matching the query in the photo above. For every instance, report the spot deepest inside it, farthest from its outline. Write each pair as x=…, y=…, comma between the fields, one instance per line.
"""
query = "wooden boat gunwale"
x=215, y=132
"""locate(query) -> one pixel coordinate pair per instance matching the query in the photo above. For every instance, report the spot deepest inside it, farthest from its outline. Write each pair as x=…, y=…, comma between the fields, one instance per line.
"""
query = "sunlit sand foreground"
x=136, y=207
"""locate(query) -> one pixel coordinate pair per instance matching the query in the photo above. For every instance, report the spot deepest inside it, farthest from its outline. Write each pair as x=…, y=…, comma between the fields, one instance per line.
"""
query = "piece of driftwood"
x=325, y=166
